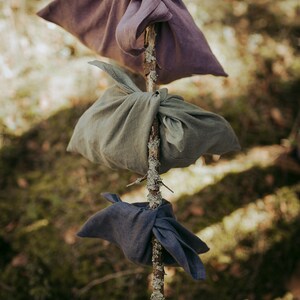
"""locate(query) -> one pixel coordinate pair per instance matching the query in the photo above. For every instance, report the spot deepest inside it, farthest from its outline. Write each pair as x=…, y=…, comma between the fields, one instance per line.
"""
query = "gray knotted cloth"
x=114, y=131
x=130, y=226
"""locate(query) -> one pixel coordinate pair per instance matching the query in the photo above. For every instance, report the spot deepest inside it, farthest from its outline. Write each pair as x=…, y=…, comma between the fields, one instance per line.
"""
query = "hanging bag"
x=114, y=131
x=131, y=227
x=114, y=29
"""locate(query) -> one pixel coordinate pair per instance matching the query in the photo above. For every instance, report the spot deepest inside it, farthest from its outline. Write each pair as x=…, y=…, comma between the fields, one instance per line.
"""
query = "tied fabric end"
x=44, y=12
x=127, y=114
x=113, y=198
x=80, y=234
x=199, y=275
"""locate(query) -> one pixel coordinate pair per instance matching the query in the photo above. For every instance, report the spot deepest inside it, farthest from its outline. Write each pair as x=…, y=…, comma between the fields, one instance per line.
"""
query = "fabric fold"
x=137, y=17
x=113, y=28
x=130, y=226
x=114, y=131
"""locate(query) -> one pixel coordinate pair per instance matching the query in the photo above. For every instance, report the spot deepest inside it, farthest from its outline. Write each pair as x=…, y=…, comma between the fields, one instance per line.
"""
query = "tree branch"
x=108, y=277
x=153, y=179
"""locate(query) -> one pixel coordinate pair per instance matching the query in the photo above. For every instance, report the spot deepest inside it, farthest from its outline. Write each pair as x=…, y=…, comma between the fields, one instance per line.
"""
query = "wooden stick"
x=153, y=179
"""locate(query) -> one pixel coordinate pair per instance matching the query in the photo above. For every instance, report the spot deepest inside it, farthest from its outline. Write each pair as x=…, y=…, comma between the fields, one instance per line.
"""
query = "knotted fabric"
x=114, y=131
x=130, y=226
x=114, y=29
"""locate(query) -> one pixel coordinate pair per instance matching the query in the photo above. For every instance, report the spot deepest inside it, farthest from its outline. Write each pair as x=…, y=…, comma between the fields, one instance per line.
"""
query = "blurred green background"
x=245, y=205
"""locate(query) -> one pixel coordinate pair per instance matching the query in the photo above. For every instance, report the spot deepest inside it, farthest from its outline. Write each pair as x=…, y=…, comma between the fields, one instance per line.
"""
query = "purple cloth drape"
x=114, y=29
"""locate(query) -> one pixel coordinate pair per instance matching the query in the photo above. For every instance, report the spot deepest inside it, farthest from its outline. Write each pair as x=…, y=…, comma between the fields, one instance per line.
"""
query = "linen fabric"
x=114, y=131
x=130, y=226
x=114, y=29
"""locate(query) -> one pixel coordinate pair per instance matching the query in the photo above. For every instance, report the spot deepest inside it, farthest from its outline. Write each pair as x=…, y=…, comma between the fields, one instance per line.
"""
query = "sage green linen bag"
x=114, y=131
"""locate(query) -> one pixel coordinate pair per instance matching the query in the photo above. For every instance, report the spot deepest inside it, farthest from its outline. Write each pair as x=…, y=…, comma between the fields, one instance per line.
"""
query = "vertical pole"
x=153, y=179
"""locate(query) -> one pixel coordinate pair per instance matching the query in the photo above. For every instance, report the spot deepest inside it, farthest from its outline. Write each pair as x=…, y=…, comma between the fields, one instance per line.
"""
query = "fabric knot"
x=131, y=226
x=114, y=29
x=163, y=93
x=114, y=131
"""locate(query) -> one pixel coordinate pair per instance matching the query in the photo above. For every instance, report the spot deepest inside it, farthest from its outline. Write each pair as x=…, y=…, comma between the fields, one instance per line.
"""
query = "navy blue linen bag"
x=131, y=226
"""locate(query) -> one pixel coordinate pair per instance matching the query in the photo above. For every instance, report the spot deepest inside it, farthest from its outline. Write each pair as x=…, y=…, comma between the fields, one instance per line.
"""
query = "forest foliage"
x=246, y=205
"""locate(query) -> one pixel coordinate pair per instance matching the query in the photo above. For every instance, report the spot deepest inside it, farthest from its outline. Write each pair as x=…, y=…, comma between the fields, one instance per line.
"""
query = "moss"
x=47, y=193
x=232, y=192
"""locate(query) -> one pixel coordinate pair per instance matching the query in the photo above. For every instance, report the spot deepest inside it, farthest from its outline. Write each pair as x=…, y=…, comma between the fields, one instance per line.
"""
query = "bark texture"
x=153, y=179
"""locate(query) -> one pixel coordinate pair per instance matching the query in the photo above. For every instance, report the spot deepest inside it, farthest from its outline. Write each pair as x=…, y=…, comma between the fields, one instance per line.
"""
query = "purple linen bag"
x=114, y=29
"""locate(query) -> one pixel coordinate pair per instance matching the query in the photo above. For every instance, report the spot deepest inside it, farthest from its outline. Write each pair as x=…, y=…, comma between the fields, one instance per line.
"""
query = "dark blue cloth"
x=130, y=226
